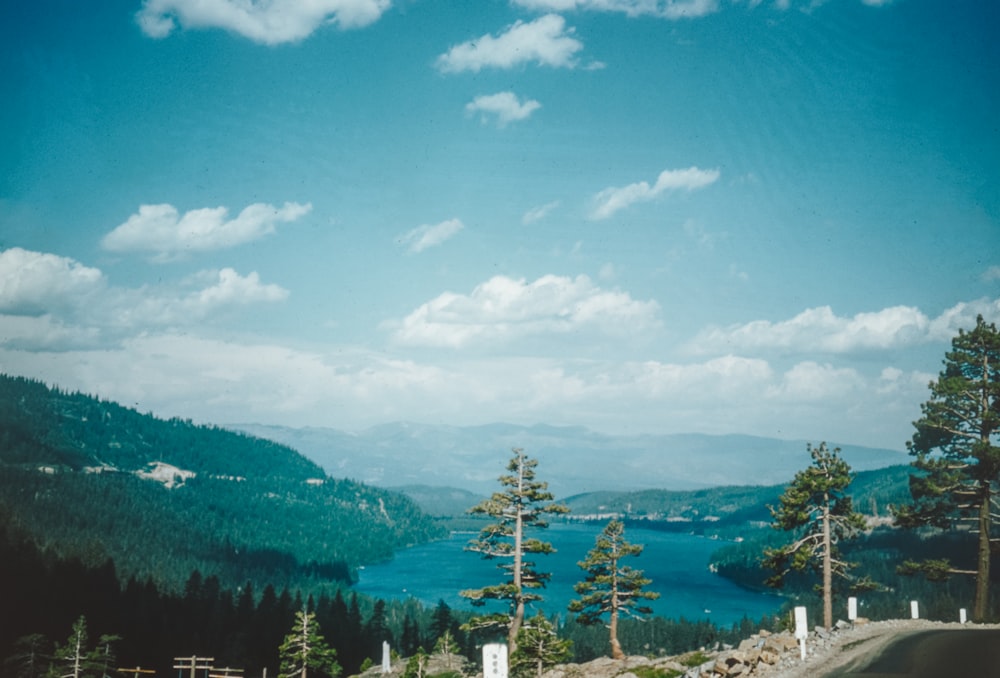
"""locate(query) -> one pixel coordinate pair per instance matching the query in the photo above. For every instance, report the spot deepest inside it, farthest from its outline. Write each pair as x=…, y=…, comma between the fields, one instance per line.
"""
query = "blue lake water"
x=676, y=563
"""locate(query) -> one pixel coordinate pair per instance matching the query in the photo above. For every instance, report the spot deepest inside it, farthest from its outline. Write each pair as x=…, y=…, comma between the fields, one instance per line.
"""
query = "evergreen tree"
x=446, y=645
x=416, y=666
x=377, y=631
x=30, y=658
x=958, y=455
x=75, y=659
x=816, y=508
x=538, y=648
x=441, y=620
x=611, y=588
x=521, y=504
x=104, y=654
x=409, y=639
x=305, y=652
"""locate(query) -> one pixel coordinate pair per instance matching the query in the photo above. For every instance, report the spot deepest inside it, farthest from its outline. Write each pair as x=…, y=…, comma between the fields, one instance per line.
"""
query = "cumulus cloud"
x=991, y=274
x=611, y=200
x=666, y=9
x=820, y=329
x=269, y=23
x=35, y=283
x=430, y=235
x=49, y=302
x=163, y=230
x=545, y=41
x=504, y=308
x=505, y=106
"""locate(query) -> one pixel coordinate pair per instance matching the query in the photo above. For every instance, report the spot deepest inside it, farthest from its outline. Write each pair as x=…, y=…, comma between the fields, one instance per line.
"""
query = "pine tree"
x=611, y=588
x=817, y=509
x=30, y=657
x=416, y=666
x=957, y=450
x=538, y=648
x=305, y=652
x=75, y=659
x=522, y=504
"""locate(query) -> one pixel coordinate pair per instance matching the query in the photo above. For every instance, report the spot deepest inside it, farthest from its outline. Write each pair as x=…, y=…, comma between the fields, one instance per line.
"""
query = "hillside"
x=572, y=460
x=872, y=493
x=96, y=480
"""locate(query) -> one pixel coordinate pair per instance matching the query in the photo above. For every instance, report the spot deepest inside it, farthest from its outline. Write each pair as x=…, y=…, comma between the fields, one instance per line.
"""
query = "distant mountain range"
x=572, y=460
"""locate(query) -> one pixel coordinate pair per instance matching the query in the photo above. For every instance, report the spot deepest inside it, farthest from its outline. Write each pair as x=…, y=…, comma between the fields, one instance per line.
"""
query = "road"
x=931, y=654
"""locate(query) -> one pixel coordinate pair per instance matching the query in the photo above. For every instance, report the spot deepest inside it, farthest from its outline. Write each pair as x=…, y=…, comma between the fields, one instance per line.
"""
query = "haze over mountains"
x=571, y=459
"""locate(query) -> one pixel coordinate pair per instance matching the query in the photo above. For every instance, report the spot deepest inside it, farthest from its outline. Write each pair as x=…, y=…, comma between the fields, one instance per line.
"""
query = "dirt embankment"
x=772, y=655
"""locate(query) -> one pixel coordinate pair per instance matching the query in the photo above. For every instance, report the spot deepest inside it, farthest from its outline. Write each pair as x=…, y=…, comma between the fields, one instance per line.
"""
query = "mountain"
x=572, y=460
x=93, y=480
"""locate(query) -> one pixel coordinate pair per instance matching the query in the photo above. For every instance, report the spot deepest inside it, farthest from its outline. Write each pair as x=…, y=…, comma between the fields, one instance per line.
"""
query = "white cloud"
x=666, y=9
x=611, y=200
x=269, y=23
x=991, y=274
x=504, y=105
x=545, y=41
x=431, y=235
x=35, y=283
x=538, y=213
x=821, y=330
x=178, y=373
x=502, y=309
x=49, y=302
x=162, y=229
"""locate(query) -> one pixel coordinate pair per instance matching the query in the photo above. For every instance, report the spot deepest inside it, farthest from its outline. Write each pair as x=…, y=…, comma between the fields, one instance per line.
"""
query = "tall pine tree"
x=816, y=508
x=610, y=587
x=305, y=652
x=521, y=505
x=957, y=450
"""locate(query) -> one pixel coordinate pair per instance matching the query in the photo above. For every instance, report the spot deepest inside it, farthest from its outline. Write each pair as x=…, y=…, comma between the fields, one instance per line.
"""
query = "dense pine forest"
x=93, y=480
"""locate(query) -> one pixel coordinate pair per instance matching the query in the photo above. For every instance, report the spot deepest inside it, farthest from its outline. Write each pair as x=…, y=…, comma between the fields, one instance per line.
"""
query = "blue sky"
x=752, y=216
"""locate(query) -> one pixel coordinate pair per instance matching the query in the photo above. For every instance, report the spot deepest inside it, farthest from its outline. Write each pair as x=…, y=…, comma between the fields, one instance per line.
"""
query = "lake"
x=677, y=564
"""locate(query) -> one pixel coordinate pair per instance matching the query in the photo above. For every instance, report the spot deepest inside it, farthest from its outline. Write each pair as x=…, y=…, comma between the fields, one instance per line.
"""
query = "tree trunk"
x=616, y=647
x=515, y=623
x=827, y=569
x=981, y=604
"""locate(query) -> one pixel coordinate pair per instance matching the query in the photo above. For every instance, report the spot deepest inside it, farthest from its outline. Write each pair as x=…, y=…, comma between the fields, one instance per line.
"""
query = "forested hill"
x=91, y=479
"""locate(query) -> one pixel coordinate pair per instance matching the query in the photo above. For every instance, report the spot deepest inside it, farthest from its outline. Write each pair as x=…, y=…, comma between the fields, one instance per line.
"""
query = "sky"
x=639, y=216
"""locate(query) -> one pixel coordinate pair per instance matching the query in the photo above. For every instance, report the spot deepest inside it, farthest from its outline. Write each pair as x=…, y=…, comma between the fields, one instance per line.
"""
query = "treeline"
x=878, y=554
x=253, y=510
x=732, y=511
x=45, y=595
x=47, y=425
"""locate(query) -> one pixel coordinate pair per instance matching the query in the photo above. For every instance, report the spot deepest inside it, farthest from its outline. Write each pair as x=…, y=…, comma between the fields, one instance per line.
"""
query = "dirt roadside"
x=860, y=645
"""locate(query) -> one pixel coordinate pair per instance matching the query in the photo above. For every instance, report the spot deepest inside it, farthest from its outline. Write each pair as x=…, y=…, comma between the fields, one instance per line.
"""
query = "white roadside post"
x=914, y=610
x=494, y=660
x=962, y=617
x=801, y=629
x=386, y=664
x=852, y=609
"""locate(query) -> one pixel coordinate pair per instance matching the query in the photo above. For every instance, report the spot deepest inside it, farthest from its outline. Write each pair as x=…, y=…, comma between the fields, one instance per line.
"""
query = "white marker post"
x=852, y=609
x=914, y=610
x=386, y=663
x=962, y=617
x=494, y=660
x=801, y=629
